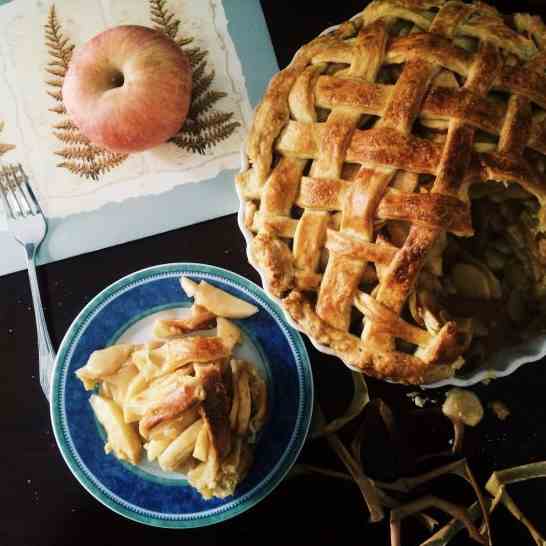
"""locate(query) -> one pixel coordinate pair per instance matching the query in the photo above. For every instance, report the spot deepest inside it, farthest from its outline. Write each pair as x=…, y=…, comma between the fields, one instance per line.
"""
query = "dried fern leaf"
x=164, y=20
x=183, y=41
x=93, y=169
x=81, y=157
x=201, y=84
x=172, y=28
x=205, y=103
x=4, y=148
x=110, y=161
x=71, y=137
x=195, y=144
x=205, y=123
x=59, y=45
x=81, y=169
x=200, y=131
x=79, y=152
x=65, y=44
x=56, y=72
x=197, y=74
x=201, y=142
x=55, y=95
x=55, y=54
x=54, y=83
x=66, y=125
x=59, y=65
x=59, y=109
x=217, y=134
x=196, y=55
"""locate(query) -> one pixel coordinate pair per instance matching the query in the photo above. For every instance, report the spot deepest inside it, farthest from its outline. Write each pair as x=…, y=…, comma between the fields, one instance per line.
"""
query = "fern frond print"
x=92, y=169
x=80, y=156
x=4, y=148
x=204, y=127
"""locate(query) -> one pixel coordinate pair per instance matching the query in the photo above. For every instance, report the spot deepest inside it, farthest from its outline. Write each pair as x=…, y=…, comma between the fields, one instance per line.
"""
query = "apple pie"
x=396, y=182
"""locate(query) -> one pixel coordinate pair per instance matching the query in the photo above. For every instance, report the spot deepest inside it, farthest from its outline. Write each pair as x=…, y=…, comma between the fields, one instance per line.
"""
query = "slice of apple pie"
x=183, y=396
x=396, y=183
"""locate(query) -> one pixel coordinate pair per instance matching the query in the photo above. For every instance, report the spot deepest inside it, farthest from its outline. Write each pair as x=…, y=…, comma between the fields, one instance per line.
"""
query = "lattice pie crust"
x=362, y=156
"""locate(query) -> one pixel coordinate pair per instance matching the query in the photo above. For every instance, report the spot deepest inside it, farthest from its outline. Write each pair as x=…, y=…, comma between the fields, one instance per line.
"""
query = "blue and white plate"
x=124, y=312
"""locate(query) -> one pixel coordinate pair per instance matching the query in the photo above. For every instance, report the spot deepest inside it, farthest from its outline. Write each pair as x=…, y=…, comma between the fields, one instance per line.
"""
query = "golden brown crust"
x=197, y=349
x=215, y=408
x=199, y=319
x=376, y=124
x=274, y=257
x=173, y=405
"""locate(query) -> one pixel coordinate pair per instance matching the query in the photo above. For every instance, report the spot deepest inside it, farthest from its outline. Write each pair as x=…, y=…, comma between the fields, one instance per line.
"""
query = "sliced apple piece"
x=154, y=448
x=228, y=332
x=171, y=404
x=471, y=282
x=201, y=449
x=135, y=387
x=150, y=361
x=178, y=353
x=170, y=430
x=181, y=449
x=258, y=391
x=221, y=303
x=102, y=363
x=217, y=301
x=245, y=402
x=494, y=283
x=188, y=286
x=118, y=383
x=199, y=319
x=122, y=438
x=205, y=477
x=146, y=395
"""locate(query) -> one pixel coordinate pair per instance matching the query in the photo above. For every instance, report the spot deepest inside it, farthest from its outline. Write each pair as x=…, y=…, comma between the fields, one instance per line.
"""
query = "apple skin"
x=128, y=89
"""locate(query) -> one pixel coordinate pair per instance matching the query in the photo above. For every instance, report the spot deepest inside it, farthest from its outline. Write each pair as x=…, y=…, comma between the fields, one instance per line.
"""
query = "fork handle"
x=46, y=354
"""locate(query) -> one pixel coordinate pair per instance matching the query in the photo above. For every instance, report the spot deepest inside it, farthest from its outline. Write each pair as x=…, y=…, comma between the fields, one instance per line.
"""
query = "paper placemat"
x=97, y=201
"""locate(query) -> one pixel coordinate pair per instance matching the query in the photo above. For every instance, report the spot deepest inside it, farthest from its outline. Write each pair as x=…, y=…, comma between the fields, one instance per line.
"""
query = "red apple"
x=128, y=89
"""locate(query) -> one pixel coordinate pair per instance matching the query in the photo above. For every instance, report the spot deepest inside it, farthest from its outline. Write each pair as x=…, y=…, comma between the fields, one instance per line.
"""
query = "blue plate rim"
x=266, y=485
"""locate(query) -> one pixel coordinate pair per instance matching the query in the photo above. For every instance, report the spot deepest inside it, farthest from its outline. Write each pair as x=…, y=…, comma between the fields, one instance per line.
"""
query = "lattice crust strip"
x=374, y=127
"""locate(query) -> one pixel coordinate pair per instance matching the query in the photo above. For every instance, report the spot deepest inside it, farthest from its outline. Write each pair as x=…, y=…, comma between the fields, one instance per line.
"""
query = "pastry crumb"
x=500, y=409
x=420, y=399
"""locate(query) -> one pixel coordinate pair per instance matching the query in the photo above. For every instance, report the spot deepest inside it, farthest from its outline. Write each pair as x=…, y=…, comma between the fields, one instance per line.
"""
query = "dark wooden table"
x=41, y=503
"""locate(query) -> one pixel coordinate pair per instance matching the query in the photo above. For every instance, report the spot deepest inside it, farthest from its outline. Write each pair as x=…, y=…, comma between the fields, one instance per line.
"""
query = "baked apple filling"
x=493, y=285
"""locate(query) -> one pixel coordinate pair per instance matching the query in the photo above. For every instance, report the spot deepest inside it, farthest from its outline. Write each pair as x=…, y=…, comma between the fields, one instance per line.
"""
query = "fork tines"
x=17, y=195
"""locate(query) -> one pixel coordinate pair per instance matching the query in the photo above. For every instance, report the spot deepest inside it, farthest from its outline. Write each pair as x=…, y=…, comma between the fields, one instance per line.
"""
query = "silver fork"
x=28, y=225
